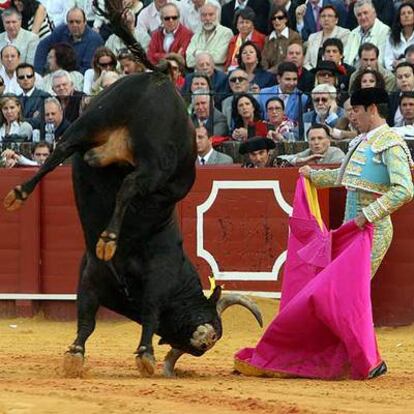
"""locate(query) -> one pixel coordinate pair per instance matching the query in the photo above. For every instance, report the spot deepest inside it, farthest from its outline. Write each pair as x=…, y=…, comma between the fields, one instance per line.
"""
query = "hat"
x=368, y=96
x=326, y=65
x=256, y=144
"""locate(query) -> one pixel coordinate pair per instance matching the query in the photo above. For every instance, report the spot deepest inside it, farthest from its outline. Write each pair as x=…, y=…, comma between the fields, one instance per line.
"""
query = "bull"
x=133, y=158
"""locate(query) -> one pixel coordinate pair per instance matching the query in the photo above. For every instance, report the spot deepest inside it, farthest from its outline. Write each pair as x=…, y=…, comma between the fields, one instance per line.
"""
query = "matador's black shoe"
x=381, y=369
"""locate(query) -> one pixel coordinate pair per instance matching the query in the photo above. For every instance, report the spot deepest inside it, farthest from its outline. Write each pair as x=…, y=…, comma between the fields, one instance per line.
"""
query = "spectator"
x=307, y=16
x=76, y=33
x=247, y=118
x=62, y=56
x=329, y=29
x=246, y=31
x=103, y=60
x=345, y=128
x=26, y=42
x=204, y=63
x=326, y=110
x=2, y=86
x=204, y=114
x=238, y=83
x=135, y=7
x=295, y=101
x=333, y=51
x=290, y=7
x=177, y=66
x=258, y=152
x=326, y=72
x=190, y=12
x=68, y=96
x=115, y=43
x=401, y=36
x=319, y=151
x=409, y=54
x=404, y=73
x=32, y=98
x=199, y=80
x=260, y=8
x=10, y=59
x=405, y=126
x=13, y=128
x=150, y=19
x=172, y=36
x=276, y=43
x=384, y=8
x=295, y=54
x=206, y=155
x=128, y=63
x=54, y=115
x=279, y=126
x=40, y=153
x=368, y=78
x=250, y=60
x=34, y=17
x=369, y=29
x=368, y=59
x=212, y=37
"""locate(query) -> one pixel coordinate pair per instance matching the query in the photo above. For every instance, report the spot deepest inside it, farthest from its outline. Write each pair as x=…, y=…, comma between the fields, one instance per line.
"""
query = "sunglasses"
x=166, y=18
x=239, y=79
x=21, y=77
x=323, y=100
x=278, y=18
x=106, y=64
x=324, y=73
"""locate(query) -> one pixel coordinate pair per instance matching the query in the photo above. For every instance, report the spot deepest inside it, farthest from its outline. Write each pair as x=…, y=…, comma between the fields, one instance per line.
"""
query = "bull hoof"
x=106, y=246
x=92, y=158
x=145, y=364
x=73, y=362
x=14, y=199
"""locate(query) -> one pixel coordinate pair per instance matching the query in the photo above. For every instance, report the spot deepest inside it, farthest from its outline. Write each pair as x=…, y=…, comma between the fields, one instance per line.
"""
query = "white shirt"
x=205, y=157
x=393, y=52
x=57, y=9
x=149, y=19
x=284, y=33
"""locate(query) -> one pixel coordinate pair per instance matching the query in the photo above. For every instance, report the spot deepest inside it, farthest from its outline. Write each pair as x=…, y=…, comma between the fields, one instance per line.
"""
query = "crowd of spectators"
x=268, y=70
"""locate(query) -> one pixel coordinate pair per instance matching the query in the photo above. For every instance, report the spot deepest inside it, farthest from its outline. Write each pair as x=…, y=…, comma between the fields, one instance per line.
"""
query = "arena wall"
x=234, y=224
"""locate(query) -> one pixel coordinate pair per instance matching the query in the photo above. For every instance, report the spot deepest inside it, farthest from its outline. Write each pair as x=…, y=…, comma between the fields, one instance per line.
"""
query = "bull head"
x=206, y=335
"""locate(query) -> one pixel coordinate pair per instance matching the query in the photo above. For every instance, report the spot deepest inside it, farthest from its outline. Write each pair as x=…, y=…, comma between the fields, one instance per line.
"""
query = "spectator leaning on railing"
x=40, y=153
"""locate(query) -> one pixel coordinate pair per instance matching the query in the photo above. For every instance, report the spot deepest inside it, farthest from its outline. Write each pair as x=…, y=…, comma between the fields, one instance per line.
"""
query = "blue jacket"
x=85, y=48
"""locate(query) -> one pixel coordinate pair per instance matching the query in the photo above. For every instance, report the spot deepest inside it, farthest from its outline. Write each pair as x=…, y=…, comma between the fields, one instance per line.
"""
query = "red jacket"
x=181, y=41
x=257, y=38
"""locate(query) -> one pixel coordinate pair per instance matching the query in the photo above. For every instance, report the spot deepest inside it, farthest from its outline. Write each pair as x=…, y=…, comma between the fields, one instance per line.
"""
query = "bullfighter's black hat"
x=256, y=144
x=368, y=96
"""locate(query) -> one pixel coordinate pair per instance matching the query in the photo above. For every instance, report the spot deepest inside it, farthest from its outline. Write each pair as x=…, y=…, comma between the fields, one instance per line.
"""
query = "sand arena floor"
x=32, y=382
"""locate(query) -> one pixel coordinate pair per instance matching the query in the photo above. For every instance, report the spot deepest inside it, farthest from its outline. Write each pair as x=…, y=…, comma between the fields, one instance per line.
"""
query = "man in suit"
x=307, y=16
x=296, y=55
x=26, y=42
x=204, y=114
x=206, y=155
x=260, y=7
x=54, y=115
x=32, y=98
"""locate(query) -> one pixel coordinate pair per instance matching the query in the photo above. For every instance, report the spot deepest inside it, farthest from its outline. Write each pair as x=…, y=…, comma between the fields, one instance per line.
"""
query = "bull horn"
x=170, y=360
x=236, y=299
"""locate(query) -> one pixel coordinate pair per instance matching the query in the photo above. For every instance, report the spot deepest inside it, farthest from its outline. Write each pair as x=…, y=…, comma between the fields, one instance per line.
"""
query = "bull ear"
x=215, y=296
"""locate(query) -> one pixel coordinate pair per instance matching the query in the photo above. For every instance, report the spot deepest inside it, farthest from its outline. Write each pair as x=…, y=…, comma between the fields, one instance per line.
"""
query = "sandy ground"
x=31, y=378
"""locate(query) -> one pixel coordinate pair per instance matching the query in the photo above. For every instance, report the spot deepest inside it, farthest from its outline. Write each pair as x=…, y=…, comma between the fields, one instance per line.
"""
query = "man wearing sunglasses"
x=172, y=36
x=31, y=98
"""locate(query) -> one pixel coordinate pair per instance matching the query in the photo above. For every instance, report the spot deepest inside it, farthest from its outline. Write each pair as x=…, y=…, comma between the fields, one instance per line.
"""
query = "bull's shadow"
x=133, y=159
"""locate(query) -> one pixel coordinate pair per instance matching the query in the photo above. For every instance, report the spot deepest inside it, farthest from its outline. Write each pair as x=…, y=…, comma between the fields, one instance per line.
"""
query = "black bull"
x=133, y=160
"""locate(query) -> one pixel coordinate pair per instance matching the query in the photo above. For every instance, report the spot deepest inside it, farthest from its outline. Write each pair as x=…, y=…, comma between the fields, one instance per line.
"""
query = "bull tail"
x=115, y=12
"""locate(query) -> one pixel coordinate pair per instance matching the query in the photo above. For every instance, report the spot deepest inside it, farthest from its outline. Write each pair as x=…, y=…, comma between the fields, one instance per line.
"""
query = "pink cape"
x=325, y=327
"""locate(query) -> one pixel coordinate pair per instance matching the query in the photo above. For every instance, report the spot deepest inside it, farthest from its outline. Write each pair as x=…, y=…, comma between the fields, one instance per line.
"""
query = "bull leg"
x=170, y=360
x=15, y=198
x=140, y=182
x=88, y=305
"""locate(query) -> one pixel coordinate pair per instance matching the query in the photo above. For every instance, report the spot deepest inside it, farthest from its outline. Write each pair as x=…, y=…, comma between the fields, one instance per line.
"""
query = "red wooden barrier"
x=234, y=222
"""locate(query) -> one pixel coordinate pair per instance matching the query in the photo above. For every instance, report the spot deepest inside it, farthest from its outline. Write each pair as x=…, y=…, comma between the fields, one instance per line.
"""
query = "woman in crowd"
x=250, y=60
x=34, y=17
x=275, y=47
x=328, y=17
x=177, y=66
x=247, y=118
x=279, y=126
x=244, y=21
x=368, y=78
x=13, y=128
x=199, y=81
x=103, y=60
x=401, y=36
x=62, y=56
